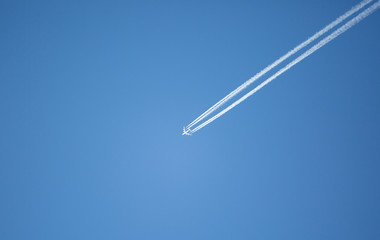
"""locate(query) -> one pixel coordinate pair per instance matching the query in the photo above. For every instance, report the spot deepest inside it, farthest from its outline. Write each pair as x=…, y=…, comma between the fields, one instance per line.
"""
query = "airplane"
x=186, y=132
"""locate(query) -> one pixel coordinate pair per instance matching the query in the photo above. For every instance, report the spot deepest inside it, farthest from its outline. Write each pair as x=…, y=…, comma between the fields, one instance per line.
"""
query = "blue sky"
x=94, y=94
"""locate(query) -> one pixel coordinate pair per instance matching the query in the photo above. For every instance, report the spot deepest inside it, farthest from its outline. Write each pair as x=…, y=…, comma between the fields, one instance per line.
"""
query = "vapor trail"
x=317, y=46
x=280, y=60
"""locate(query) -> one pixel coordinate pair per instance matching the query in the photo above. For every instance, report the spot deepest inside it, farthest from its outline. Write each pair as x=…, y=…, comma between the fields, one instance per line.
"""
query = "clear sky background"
x=94, y=95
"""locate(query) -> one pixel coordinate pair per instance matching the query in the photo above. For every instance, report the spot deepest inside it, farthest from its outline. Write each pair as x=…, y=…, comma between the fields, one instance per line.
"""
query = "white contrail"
x=317, y=46
x=280, y=60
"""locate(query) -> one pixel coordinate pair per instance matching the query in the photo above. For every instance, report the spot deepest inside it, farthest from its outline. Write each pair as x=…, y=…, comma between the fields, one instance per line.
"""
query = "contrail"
x=280, y=60
x=317, y=46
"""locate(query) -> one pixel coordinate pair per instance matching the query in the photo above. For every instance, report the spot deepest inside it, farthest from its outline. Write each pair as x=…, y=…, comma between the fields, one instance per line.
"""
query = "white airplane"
x=186, y=132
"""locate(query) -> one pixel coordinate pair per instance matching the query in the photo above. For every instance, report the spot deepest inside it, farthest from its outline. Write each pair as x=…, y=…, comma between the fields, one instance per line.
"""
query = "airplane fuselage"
x=186, y=132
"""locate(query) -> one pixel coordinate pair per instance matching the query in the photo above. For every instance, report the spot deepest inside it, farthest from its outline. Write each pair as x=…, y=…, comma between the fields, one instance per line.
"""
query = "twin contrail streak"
x=280, y=60
x=317, y=46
